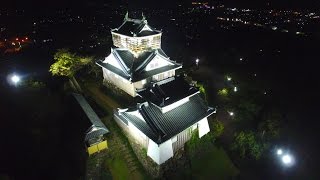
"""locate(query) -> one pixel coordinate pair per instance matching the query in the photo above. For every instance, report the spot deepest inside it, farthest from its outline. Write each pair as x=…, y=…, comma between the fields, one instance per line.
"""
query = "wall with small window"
x=164, y=75
x=119, y=81
x=137, y=44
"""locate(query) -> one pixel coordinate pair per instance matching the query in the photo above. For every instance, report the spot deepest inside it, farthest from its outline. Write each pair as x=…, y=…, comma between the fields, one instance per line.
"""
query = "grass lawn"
x=213, y=164
x=119, y=170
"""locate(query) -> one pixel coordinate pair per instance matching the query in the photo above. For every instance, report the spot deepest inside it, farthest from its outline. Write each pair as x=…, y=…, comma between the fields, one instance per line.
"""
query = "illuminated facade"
x=138, y=58
x=136, y=35
x=171, y=109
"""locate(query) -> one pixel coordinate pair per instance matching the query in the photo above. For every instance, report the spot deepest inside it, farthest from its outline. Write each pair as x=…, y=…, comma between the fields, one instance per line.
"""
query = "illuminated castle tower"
x=138, y=58
x=136, y=35
x=171, y=109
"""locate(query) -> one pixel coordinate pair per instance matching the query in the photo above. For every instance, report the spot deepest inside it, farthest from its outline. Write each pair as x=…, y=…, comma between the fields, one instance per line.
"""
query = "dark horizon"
x=74, y=4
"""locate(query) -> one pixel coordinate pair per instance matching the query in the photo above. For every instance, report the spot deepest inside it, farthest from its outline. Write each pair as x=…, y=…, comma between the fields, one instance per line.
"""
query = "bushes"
x=217, y=128
x=33, y=84
x=248, y=145
x=116, y=93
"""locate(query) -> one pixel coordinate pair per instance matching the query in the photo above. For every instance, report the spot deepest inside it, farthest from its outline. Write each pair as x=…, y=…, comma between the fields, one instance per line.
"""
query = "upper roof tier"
x=135, y=28
x=123, y=63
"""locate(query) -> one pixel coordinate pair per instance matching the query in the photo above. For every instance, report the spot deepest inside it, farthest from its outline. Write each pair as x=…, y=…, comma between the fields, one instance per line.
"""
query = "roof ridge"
x=154, y=125
x=123, y=65
x=145, y=62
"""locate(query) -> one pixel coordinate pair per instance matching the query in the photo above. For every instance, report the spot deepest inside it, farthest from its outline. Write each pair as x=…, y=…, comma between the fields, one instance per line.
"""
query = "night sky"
x=154, y=4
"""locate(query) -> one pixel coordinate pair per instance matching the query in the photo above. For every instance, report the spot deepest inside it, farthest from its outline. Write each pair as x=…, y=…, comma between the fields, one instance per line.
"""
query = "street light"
x=287, y=159
x=231, y=113
x=235, y=89
x=229, y=78
x=15, y=79
x=197, y=61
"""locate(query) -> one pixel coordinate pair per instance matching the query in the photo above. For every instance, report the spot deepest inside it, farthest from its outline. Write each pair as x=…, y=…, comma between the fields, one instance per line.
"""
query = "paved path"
x=100, y=97
x=118, y=146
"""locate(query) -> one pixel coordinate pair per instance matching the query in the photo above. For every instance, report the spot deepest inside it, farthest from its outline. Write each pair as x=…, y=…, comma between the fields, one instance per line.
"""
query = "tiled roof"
x=133, y=27
x=160, y=126
x=161, y=94
x=132, y=67
x=97, y=128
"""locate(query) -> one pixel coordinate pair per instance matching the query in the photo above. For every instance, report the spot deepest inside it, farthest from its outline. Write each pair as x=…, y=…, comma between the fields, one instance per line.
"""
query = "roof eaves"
x=123, y=65
x=145, y=62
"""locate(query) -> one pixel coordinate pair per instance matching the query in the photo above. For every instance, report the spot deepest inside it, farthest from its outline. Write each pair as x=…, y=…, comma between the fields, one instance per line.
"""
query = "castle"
x=171, y=109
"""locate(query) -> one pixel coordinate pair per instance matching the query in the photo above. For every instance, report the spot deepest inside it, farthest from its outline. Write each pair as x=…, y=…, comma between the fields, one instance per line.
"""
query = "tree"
x=270, y=127
x=217, y=128
x=223, y=92
x=94, y=69
x=239, y=144
x=247, y=144
x=67, y=63
x=202, y=90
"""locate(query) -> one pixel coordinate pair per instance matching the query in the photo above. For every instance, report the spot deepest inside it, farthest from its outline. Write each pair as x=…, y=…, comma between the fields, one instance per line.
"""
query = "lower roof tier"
x=159, y=126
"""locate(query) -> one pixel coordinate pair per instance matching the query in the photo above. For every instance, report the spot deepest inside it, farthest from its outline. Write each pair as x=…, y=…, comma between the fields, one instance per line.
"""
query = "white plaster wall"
x=164, y=75
x=160, y=153
x=141, y=84
x=120, y=82
x=140, y=137
x=203, y=127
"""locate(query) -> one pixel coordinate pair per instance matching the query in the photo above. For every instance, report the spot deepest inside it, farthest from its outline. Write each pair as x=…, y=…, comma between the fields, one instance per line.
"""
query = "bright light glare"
x=231, y=113
x=15, y=79
x=241, y=59
x=279, y=151
x=229, y=78
x=235, y=89
x=286, y=159
x=197, y=61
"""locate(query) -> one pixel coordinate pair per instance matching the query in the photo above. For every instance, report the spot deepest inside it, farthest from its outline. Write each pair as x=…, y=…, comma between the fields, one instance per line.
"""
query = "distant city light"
x=279, y=152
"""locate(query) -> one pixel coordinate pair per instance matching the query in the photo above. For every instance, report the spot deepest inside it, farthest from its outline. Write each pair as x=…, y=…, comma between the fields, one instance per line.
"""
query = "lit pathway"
x=118, y=145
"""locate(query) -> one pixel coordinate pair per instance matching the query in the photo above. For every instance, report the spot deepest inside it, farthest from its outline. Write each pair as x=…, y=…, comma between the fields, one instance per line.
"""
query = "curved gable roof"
x=135, y=27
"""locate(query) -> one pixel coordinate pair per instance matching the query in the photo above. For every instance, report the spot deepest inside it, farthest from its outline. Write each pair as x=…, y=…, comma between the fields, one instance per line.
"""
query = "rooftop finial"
x=126, y=17
x=143, y=17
